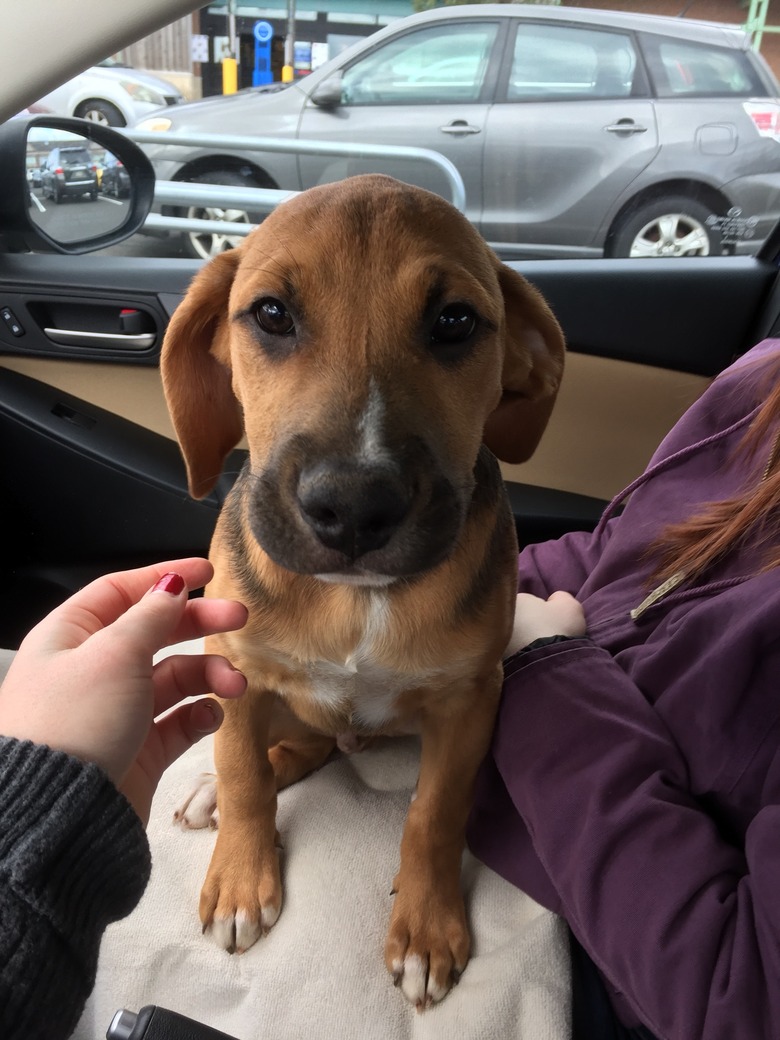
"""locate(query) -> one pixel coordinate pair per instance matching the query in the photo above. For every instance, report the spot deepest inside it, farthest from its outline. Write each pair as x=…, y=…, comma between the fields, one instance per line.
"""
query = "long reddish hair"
x=695, y=544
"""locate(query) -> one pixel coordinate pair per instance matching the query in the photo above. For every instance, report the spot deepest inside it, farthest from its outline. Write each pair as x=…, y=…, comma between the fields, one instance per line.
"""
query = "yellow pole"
x=287, y=74
x=229, y=75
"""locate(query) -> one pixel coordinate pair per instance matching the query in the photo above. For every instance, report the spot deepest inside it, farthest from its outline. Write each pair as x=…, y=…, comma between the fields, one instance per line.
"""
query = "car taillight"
x=59, y=170
x=765, y=116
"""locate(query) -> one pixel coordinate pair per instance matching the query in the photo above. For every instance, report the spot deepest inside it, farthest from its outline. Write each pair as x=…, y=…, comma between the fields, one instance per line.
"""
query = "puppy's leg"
x=428, y=942
x=295, y=748
x=295, y=751
x=242, y=894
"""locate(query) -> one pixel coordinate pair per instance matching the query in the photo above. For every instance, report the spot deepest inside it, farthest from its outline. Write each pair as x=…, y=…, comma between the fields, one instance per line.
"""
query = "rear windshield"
x=74, y=157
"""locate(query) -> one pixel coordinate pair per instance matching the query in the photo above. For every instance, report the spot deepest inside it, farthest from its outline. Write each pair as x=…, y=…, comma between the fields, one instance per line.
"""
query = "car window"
x=74, y=156
x=683, y=69
x=558, y=61
x=444, y=64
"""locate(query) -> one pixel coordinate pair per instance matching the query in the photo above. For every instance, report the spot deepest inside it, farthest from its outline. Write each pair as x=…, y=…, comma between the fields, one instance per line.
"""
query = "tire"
x=203, y=246
x=103, y=112
x=670, y=226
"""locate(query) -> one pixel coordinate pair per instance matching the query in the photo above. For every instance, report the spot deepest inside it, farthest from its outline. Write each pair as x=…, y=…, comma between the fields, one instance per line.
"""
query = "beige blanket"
x=320, y=972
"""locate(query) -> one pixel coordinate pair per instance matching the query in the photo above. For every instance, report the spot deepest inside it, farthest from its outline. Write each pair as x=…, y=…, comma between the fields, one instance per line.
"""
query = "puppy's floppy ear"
x=533, y=367
x=196, y=377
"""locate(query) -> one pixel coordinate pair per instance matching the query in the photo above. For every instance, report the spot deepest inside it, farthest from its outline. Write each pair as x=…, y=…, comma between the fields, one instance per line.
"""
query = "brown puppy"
x=361, y=339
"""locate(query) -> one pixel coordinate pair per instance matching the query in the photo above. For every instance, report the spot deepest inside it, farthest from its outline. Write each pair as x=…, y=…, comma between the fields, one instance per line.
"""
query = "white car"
x=112, y=94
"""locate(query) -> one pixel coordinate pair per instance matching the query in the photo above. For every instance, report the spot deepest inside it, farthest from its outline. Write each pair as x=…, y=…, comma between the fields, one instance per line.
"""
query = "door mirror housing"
x=328, y=93
x=52, y=192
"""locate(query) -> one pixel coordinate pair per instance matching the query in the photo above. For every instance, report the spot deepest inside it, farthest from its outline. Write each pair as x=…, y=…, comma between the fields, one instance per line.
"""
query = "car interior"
x=92, y=478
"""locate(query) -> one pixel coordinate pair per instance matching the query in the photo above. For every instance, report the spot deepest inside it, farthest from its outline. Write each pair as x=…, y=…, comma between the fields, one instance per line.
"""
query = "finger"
x=204, y=617
x=106, y=599
x=186, y=725
x=562, y=597
x=191, y=675
x=570, y=611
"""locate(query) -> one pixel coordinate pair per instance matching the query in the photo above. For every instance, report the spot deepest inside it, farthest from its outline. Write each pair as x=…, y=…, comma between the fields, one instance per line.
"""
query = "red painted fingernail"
x=173, y=583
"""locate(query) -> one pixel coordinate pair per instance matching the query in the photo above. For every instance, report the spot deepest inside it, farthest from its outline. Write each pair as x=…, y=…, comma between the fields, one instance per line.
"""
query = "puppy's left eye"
x=272, y=316
x=454, y=325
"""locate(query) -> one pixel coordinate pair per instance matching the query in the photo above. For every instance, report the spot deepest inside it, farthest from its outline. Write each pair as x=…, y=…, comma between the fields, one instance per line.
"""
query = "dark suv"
x=69, y=171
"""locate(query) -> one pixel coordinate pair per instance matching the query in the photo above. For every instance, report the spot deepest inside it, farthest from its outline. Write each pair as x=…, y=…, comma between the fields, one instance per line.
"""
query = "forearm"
x=674, y=915
x=73, y=858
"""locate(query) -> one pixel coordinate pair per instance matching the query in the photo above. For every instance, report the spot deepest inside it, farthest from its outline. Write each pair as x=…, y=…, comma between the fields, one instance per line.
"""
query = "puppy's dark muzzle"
x=352, y=508
x=319, y=512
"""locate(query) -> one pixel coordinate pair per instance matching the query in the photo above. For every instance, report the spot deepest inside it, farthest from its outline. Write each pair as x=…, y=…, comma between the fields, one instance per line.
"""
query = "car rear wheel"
x=205, y=246
x=102, y=112
x=669, y=226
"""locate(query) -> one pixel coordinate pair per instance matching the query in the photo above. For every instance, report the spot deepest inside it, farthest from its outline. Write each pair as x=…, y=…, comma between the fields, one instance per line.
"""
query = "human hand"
x=535, y=618
x=83, y=679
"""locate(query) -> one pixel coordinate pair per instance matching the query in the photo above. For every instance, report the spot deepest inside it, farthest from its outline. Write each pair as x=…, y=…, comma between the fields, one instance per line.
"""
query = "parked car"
x=577, y=133
x=111, y=94
x=115, y=179
x=69, y=172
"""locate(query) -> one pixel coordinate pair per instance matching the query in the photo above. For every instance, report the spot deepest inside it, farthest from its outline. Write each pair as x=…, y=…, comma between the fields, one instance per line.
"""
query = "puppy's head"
x=365, y=339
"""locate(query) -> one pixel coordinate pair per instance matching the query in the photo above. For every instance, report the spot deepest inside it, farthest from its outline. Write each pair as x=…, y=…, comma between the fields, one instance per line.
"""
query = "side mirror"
x=69, y=185
x=328, y=93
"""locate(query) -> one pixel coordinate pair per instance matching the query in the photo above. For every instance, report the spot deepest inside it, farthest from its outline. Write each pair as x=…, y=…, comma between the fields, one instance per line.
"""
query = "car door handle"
x=626, y=126
x=460, y=126
x=77, y=337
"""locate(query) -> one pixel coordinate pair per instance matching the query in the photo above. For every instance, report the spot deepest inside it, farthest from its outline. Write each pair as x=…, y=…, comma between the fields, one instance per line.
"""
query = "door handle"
x=460, y=126
x=77, y=337
x=626, y=126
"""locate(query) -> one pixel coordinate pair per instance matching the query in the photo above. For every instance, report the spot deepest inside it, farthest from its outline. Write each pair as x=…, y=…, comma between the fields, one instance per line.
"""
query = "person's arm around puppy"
x=78, y=719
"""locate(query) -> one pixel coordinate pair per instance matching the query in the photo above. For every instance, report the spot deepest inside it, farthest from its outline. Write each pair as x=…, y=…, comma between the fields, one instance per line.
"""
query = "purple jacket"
x=634, y=780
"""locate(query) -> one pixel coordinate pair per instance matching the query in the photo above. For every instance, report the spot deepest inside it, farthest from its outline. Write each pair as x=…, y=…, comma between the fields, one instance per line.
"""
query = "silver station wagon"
x=577, y=133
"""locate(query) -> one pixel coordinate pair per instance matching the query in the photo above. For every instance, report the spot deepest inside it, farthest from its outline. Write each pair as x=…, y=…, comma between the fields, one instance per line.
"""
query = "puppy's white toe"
x=199, y=809
x=236, y=933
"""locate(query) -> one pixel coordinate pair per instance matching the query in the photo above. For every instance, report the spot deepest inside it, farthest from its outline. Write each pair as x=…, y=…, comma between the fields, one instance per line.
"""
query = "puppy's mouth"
x=348, y=520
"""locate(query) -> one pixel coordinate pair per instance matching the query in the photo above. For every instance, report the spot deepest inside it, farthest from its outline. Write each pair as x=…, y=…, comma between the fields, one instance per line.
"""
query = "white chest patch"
x=361, y=687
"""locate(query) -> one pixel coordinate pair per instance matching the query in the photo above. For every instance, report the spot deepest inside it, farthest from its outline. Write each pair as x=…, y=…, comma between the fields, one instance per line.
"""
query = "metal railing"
x=263, y=200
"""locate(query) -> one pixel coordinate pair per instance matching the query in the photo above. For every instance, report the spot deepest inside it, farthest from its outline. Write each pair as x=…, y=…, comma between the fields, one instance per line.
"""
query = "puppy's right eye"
x=272, y=316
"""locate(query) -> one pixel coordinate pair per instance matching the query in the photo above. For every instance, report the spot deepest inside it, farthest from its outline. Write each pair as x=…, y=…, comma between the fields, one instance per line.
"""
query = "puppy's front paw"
x=427, y=946
x=241, y=898
x=199, y=809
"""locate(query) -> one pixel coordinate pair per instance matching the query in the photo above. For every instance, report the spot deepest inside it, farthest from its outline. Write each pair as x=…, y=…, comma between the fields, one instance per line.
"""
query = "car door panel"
x=542, y=197
x=574, y=126
x=97, y=493
x=401, y=125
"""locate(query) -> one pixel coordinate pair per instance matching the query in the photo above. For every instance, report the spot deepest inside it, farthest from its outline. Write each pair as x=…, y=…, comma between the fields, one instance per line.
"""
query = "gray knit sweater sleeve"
x=73, y=858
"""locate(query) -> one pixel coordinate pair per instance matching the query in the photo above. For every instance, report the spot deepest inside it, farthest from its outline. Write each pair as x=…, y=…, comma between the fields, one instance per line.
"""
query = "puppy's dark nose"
x=351, y=508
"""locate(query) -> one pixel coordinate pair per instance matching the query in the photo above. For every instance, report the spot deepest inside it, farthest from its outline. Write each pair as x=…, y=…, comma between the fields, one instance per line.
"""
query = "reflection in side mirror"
x=78, y=189
x=328, y=93
x=70, y=186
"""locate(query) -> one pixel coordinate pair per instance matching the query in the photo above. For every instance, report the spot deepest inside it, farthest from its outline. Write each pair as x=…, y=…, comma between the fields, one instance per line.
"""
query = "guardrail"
x=263, y=200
